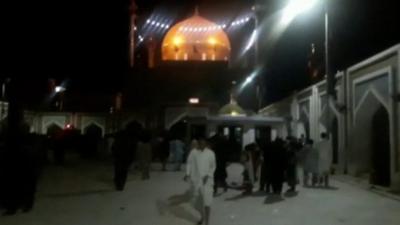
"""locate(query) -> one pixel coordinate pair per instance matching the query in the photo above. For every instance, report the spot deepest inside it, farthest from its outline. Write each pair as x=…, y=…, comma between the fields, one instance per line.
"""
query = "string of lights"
x=162, y=27
x=157, y=24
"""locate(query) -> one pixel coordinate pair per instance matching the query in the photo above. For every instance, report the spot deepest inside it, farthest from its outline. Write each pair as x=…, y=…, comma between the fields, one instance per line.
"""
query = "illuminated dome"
x=198, y=39
x=232, y=109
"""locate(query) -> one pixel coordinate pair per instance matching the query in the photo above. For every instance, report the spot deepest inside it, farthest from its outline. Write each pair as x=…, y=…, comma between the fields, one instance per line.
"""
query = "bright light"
x=148, y=21
x=251, y=41
x=194, y=101
x=157, y=24
x=59, y=89
x=249, y=79
x=296, y=7
x=234, y=113
x=212, y=41
x=177, y=40
x=152, y=22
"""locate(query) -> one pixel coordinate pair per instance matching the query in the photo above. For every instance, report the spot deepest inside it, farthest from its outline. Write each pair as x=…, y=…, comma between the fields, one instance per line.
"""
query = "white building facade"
x=365, y=119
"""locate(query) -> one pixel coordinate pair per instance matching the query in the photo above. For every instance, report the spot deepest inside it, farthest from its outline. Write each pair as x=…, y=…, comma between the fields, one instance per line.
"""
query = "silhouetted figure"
x=265, y=179
x=123, y=150
x=162, y=149
x=247, y=184
x=58, y=146
x=177, y=149
x=219, y=145
x=144, y=155
x=275, y=165
x=19, y=172
x=292, y=148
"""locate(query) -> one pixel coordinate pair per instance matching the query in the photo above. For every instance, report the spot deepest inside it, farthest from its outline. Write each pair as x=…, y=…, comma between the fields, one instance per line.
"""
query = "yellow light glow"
x=234, y=113
x=177, y=40
x=212, y=41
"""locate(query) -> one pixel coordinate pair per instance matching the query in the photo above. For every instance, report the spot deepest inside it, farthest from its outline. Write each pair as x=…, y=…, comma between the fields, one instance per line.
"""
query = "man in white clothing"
x=200, y=170
x=324, y=158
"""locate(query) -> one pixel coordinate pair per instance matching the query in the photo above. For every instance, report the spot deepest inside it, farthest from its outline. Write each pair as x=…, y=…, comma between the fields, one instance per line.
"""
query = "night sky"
x=86, y=41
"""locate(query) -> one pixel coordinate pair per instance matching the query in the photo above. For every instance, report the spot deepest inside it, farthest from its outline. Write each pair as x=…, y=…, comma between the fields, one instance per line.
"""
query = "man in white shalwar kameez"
x=324, y=148
x=200, y=170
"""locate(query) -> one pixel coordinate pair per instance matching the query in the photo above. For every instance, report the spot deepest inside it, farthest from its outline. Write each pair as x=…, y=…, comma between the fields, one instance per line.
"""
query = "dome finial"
x=232, y=99
x=196, y=10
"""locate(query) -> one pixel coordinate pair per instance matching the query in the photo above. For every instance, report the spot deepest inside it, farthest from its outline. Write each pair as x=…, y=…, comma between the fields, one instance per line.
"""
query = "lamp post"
x=60, y=91
x=256, y=9
x=293, y=9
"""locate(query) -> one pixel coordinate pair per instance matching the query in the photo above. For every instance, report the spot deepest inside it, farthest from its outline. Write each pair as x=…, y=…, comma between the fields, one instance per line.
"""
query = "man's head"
x=202, y=144
x=194, y=144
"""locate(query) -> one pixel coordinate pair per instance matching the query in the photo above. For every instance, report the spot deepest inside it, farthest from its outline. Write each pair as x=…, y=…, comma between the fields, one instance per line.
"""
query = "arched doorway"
x=55, y=141
x=179, y=129
x=134, y=128
x=380, y=137
x=53, y=130
x=335, y=140
x=370, y=140
x=92, y=137
x=94, y=131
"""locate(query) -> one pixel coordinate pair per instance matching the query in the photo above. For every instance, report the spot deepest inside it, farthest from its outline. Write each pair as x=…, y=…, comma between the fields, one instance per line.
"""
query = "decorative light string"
x=165, y=26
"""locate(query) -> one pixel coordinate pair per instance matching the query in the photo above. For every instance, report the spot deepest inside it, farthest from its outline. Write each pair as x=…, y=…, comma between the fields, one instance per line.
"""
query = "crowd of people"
x=267, y=164
x=277, y=162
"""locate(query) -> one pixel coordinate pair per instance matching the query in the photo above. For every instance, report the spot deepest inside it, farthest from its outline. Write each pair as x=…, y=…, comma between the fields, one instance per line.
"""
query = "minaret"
x=132, y=33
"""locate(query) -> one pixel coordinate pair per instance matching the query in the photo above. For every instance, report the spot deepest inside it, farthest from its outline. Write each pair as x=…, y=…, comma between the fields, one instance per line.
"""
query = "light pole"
x=60, y=91
x=256, y=9
x=293, y=9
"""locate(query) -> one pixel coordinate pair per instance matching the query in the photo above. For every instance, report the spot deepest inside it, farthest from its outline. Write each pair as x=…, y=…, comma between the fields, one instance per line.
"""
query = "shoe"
x=10, y=212
x=291, y=190
x=27, y=209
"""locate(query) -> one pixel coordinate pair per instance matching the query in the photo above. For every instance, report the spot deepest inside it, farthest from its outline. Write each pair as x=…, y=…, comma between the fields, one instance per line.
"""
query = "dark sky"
x=86, y=41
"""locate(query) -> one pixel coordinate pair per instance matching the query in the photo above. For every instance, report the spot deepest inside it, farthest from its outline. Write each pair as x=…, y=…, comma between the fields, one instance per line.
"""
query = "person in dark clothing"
x=19, y=172
x=144, y=154
x=163, y=150
x=123, y=151
x=265, y=181
x=275, y=166
x=58, y=146
x=292, y=148
x=219, y=145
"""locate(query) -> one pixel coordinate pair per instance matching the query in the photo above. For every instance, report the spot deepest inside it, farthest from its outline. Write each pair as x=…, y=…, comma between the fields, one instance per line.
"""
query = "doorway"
x=380, y=137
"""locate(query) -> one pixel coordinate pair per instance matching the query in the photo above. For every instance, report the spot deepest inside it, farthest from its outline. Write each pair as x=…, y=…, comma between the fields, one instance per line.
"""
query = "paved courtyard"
x=83, y=195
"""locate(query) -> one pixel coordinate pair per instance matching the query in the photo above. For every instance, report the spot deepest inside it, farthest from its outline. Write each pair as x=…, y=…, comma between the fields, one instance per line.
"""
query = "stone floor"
x=80, y=194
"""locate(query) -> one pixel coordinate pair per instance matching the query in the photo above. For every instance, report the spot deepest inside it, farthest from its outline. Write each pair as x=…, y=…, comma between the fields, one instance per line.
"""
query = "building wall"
x=372, y=84
x=40, y=122
x=362, y=90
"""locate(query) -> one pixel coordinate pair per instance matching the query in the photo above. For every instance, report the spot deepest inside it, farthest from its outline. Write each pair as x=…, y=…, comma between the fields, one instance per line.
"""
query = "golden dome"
x=232, y=109
x=198, y=39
